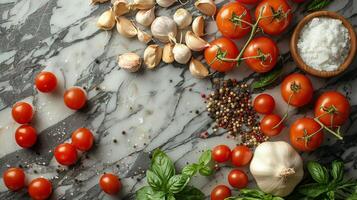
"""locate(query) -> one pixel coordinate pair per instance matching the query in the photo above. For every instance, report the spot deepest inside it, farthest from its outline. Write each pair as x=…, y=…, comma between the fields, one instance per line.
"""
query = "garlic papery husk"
x=207, y=7
x=98, y=1
x=129, y=61
x=182, y=53
x=143, y=4
x=120, y=7
x=167, y=54
x=164, y=29
x=152, y=56
x=197, y=69
x=165, y=3
x=194, y=42
x=125, y=27
x=144, y=36
x=182, y=18
x=198, y=26
x=145, y=17
x=106, y=21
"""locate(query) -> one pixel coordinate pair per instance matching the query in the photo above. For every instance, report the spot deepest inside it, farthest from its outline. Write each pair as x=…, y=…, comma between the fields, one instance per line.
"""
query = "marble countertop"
x=130, y=113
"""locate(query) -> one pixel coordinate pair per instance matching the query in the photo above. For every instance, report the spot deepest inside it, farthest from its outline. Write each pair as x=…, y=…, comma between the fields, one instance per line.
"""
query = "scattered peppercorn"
x=115, y=140
x=123, y=132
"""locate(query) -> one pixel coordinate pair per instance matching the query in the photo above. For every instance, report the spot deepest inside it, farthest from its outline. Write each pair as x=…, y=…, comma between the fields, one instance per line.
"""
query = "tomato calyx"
x=238, y=20
x=330, y=111
x=279, y=14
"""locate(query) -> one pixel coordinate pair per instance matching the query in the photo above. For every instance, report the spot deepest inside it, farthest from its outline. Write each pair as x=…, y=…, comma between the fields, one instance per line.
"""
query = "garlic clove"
x=182, y=53
x=198, y=26
x=120, y=7
x=144, y=36
x=197, y=69
x=165, y=3
x=145, y=17
x=152, y=56
x=143, y=4
x=167, y=54
x=194, y=42
x=129, y=61
x=98, y=1
x=125, y=27
x=106, y=21
x=164, y=29
x=182, y=18
x=207, y=7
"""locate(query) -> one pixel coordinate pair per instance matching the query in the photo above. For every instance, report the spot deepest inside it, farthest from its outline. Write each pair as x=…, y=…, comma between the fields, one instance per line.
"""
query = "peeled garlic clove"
x=182, y=18
x=106, y=21
x=164, y=29
x=165, y=3
x=197, y=69
x=198, y=26
x=98, y=1
x=145, y=17
x=207, y=7
x=194, y=42
x=143, y=4
x=144, y=36
x=120, y=7
x=182, y=53
x=167, y=54
x=125, y=27
x=152, y=56
x=129, y=61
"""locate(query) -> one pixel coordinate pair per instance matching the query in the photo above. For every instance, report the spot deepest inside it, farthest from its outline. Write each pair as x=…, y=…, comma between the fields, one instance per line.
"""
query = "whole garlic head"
x=145, y=17
x=197, y=69
x=182, y=53
x=194, y=42
x=167, y=54
x=106, y=21
x=198, y=26
x=129, y=61
x=152, y=56
x=182, y=18
x=120, y=7
x=125, y=27
x=164, y=29
x=207, y=7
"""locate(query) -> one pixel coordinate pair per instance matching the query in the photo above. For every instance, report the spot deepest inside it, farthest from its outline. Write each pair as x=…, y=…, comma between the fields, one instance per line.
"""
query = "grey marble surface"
x=156, y=108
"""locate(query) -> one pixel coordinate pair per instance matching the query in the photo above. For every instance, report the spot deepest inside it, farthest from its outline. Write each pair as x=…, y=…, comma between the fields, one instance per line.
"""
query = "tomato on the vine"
x=238, y=179
x=14, y=178
x=46, y=82
x=40, y=189
x=66, y=154
x=264, y=104
x=241, y=155
x=221, y=153
x=75, y=98
x=229, y=22
x=220, y=192
x=25, y=136
x=82, y=139
x=248, y=1
x=110, y=183
x=22, y=112
x=271, y=125
x=297, y=90
x=219, y=49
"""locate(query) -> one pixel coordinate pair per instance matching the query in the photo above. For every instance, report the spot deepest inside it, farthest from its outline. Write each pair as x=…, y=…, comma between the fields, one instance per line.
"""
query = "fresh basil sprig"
x=268, y=78
x=253, y=194
x=315, y=5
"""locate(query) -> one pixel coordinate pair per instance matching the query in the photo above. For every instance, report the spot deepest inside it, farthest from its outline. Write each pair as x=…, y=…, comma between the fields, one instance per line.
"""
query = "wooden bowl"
x=296, y=34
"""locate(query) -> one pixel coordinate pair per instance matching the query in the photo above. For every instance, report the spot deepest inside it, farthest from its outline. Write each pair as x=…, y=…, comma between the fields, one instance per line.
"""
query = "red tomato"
x=14, y=178
x=75, y=98
x=238, y=179
x=249, y=1
x=25, y=136
x=22, y=112
x=306, y=134
x=220, y=192
x=276, y=15
x=221, y=153
x=110, y=184
x=46, y=82
x=82, y=139
x=66, y=154
x=332, y=109
x=40, y=189
x=297, y=90
x=264, y=104
x=262, y=54
x=268, y=123
x=241, y=155
x=228, y=20
x=221, y=48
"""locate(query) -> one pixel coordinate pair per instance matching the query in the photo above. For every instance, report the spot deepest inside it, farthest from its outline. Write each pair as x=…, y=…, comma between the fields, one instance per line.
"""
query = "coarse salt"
x=324, y=43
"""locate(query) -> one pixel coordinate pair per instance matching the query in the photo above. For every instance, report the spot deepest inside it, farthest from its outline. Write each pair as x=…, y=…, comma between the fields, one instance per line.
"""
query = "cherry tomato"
x=22, y=112
x=332, y=109
x=264, y=104
x=306, y=134
x=75, y=98
x=268, y=123
x=238, y=179
x=248, y=1
x=221, y=153
x=110, y=183
x=40, y=189
x=297, y=90
x=25, y=136
x=82, y=139
x=220, y=192
x=241, y=155
x=46, y=82
x=14, y=178
x=228, y=20
x=276, y=15
x=221, y=48
x=262, y=54
x=66, y=154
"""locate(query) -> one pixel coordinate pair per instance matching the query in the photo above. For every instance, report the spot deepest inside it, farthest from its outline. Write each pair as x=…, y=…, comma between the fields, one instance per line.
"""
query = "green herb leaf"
x=315, y=5
x=252, y=193
x=147, y=193
x=206, y=171
x=170, y=197
x=205, y=158
x=162, y=166
x=337, y=170
x=312, y=189
x=154, y=180
x=318, y=172
x=190, y=193
x=190, y=169
x=331, y=195
x=277, y=198
x=268, y=78
x=177, y=183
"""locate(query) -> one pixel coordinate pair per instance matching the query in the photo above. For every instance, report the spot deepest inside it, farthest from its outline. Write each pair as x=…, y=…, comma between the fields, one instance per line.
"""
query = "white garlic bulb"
x=106, y=21
x=197, y=69
x=143, y=4
x=198, y=26
x=182, y=18
x=120, y=7
x=152, y=56
x=125, y=27
x=145, y=17
x=167, y=55
x=129, y=61
x=194, y=42
x=144, y=36
x=207, y=7
x=182, y=53
x=164, y=29
x=165, y=3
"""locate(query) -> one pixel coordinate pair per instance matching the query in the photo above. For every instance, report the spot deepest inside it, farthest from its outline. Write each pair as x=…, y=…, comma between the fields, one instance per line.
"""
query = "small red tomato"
x=269, y=123
x=66, y=154
x=264, y=104
x=22, y=112
x=82, y=139
x=241, y=155
x=14, y=178
x=221, y=153
x=220, y=192
x=25, y=136
x=46, y=82
x=296, y=90
x=238, y=179
x=110, y=183
x=248, y=1
x=40, y=189
x=75, y=98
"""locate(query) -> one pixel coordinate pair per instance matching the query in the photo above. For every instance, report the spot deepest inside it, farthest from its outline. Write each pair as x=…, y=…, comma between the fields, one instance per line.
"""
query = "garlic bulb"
x=182, y=53
x=98, y=1
x=197, y=69
x=165, y=3
x=194, y=42
x=125, y=27
x=182, y=18
x=198, y=26
x=106, y=21
x=164, y=29
x=144, y=36
x=207, y=7
x=129, y=61
x=143, y=4
x=120, y=7
x=145, y=17
x=152, y=56
x=167, y=55
x=277, y=168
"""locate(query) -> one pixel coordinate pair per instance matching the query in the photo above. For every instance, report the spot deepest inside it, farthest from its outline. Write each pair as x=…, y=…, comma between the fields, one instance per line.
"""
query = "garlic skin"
x=125, y=27
x=143, y=4
x=164, y=29
x=198, y=26
x=165, y=3
x=106, y=21
x=98, y=1
x=182, y=53
x=152, y=56
x=194, y=42
x=182, y=18
x=145, y=17
x=207, y=7
x=167, y=54
x=197, y=69
x=120, y=7
x=144, y=36
x=131, y=62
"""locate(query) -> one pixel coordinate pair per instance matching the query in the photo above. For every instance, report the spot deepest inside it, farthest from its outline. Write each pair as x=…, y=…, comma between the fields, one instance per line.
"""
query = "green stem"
x=328, y=129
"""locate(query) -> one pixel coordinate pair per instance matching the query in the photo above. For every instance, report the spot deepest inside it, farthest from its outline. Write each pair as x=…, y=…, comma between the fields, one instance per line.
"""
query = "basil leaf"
x=147, y=193
x=205, y=158
x=312, y=189
x=190, y=169
x=268, y=78
x=206, y=171
x=154, y=180
x=277, y=198
x=337, y=170
x=252, y=193
x=318, y=172
x=190, y=193
x=317, y=5
x=331, y=195
x=162, y=166
x=170, y=197
x=177, y=183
